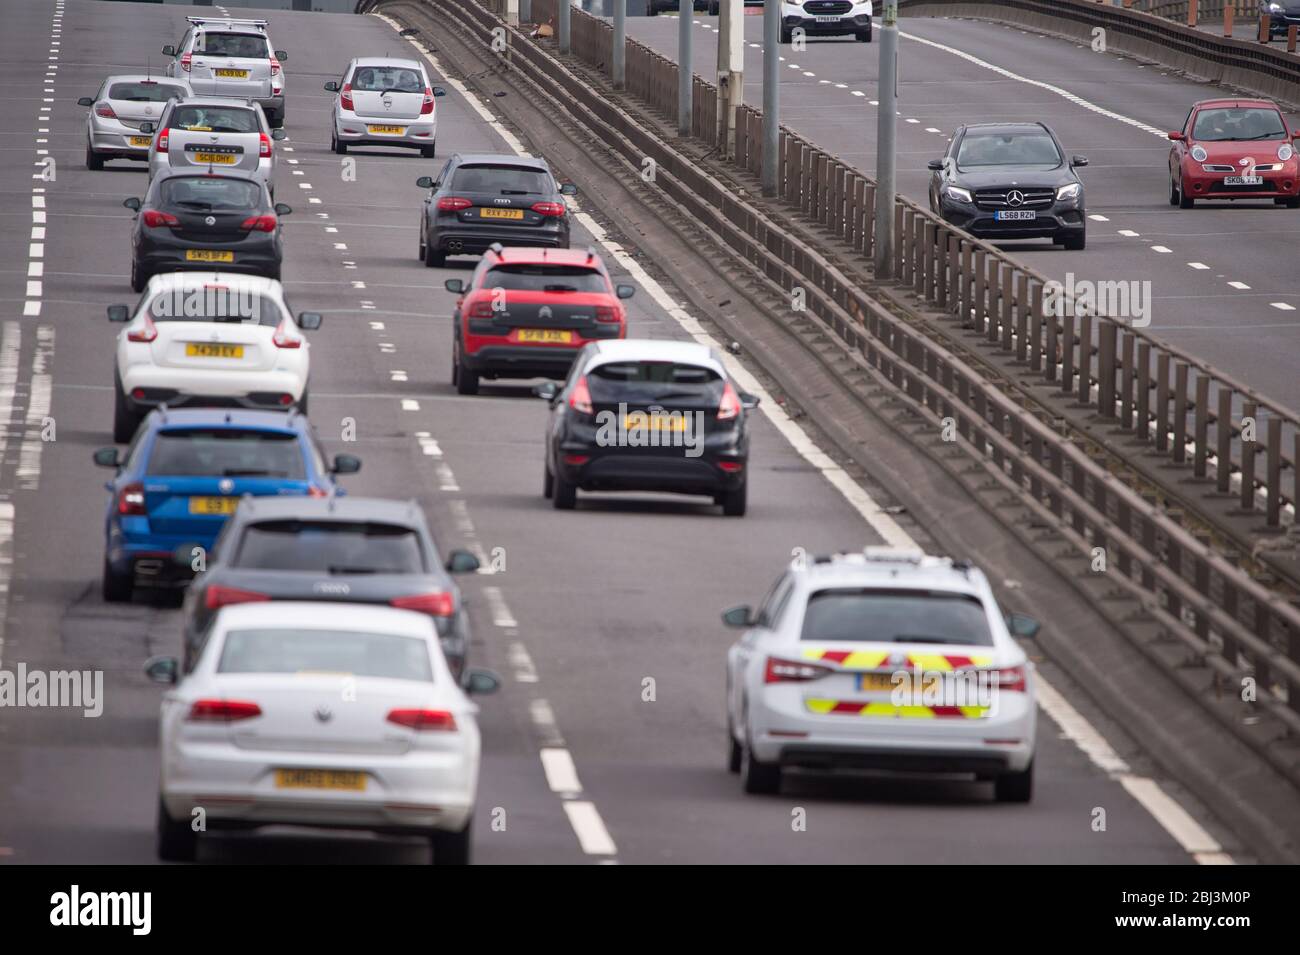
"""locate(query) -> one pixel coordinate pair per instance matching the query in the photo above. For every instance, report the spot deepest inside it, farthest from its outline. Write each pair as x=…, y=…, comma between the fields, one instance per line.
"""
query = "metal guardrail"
x=1234, y=624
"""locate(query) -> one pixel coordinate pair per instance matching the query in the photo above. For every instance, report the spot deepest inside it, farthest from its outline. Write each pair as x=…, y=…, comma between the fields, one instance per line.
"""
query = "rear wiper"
x=514, y=192
x=396, y=89
x=559, y=288
x=910, y=638
x=339, y=569
x=197, y=203
x=252, y=472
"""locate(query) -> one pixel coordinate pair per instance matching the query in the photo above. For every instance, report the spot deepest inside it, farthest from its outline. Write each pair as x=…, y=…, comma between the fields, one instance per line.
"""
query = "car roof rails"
x=496, y=247
x=231, y=20
x=162, y=411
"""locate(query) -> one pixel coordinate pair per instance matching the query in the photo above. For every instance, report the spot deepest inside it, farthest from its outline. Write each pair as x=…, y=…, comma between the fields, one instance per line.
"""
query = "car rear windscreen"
x=249, y=45
x=214, y=303
x=209, y=193
x=1008, y=149
x=896, y=616
x=330, y=547
x=379, y=79
x=354, y=653
x=545, y=278
x=646, y=381
x=145, y=91
x=1238, y=124
x=502, y=180
x=226, y=452
x=214, y=119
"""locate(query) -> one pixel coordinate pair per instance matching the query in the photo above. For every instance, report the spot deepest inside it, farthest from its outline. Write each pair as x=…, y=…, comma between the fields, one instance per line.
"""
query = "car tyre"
x=786, y=36
x=564, y=495
x=139, y=277
x=429, y=151
x=548, y=483
x=93, y=159
x=339, y=147
x=432, y=257
x=734, y=502
x=735, y=752
x=1075, y=243
x=863, y=36
x=714, y=7
x=177, y=842
x=466, y=381
x=451, y=848
x=116, y=588
x=125, y=421
x=1174, y=194
x=651, y=10
x=302, y=403
x=1184, y=200
x=1015, y=787
x=760, y=779
x=1293, y=202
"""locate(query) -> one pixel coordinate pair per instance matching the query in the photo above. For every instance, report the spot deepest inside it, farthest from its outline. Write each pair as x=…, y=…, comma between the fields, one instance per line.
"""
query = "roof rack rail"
x=496, y=247
x=231, y=20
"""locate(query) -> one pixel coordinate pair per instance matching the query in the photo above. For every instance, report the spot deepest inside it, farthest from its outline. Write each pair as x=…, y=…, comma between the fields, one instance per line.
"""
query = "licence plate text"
x=208, y=255
x=501, y=213
x=320, y=779
x=211, y=350
x=213, y=505
x=141, y=140
x=231, y=74
x=641, y=421
x=1243, y=180
x=395, y=130
x=549, y=336
x=1015, y=215
x=218, y=158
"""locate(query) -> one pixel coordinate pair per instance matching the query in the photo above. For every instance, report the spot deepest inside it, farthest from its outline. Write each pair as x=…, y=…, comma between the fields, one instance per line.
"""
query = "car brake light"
x=162, y=141
x=220, y=596
x=153, y=218
x=222, y=711
x=283, y=339
x=453, y=203
x=427, y=106
x=436, y=604
x=345, y=96
x=423, y=719
x=792, y=671
x=275, y=67
x=548, y=208
x=130, y=500
x=729, y=406
x=186, y=59
x=105, y=110
x=264, y=145
x=145, y=333
x=580, y=397
x=259, y=223
x=480, y=310
x=315, y=491
x=606, y=313
x=1011, y=679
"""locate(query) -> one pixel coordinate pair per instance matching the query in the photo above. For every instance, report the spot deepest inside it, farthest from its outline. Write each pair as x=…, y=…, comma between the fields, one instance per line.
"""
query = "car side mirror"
x=935, y=165
x=425, y=182
x=625, y=291
x=346, y=464
x=162, y=670
x=748, y=402
x=479, y=681
x=146, y=127
x=169, y=50
x=439, y=91
x=454, y=285
x=1079, y=161
x=1176, y=137
x=461, y=562
x=107, y=458
x=185, y=554
x=281, y=55
x=283, y=209
x=133, y=204
x=86, y=101
x=277, y=134
x=739, y=617
x=1023, y=625
x=309, y=321
x=1296, y=134
x=118, y=313
x=568, y=189
x=547, y=390
x=332, y=86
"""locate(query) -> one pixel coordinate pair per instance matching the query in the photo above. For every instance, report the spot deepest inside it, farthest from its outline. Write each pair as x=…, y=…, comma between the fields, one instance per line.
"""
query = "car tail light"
x=264, y=145
x=315, y=491
x=548, y=208
x=275, y=67
x=576, y=460
x=153, y=218
x=259, y=224
x=283, y=338
x=218, y=596
x=105, y=110
x=480, y=310
x=731, y=467
x=606, y=313
x=345, y=96
x=580, y=397
x=186, y=61
x=792, y=671
x=424, y=719
x=130, y=500
x=435, y=604
x=729, y=406
x=1011, y=679
x=162, y=141
x=145, y=333
x=453, y=204
x=222, y=711
x=427, y=106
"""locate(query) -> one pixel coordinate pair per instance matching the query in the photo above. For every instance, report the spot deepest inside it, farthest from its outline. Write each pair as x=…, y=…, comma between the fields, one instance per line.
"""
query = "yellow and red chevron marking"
x=883, y=708
x=874, y=659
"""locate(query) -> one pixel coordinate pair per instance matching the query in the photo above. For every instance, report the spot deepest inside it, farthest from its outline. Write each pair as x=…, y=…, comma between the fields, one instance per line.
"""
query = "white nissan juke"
x=205, y=339
x=881, y=660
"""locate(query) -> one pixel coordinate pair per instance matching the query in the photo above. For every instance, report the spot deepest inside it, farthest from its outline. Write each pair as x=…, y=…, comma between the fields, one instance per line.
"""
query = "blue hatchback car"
x=183, y=475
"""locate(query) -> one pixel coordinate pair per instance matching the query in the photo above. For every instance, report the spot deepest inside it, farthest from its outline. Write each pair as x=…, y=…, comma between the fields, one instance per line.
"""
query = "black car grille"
x=999, y=198
x=827, y=8
x=1267, y=185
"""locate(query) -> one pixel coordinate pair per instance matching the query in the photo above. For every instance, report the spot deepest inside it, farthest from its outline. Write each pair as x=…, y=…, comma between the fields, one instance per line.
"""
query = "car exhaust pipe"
x=454, y=246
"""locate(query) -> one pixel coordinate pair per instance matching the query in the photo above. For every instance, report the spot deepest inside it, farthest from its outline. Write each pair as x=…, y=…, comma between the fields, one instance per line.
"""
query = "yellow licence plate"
x=208, y=255
x=501, y=213
x=876, y=682
x=549, y=336
x=141, y=140
x=641, y=421
x=213, y=505
x=232, y=74
x=320, y=779
x=395, y=130
x=208, y=350
x=219, y=159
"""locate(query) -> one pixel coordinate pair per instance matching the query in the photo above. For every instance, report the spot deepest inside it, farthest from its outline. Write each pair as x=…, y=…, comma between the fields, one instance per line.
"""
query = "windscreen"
x=208, y=193
x=380, y=79
x=1234, y=124
x=502, y=180
x=214, y=119
x=652, y=381
x=545, y=278
x=896, y=616
x=331, y=547
x=226, y=452
x=1008, y=149
x=355, y=653
x=247, y=45
x=145, y=91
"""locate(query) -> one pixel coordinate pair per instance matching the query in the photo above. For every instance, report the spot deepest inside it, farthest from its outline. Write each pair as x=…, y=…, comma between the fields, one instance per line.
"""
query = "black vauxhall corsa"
x=204, y=220
x=481, y=200
x=1010, y=181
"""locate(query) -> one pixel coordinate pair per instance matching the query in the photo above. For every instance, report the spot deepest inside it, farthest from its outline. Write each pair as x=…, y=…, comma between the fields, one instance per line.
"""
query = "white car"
x=221, y=56
x=209, y=338
x=327, y=715
x=881, y=660
x=118, y=109
x=383, y=101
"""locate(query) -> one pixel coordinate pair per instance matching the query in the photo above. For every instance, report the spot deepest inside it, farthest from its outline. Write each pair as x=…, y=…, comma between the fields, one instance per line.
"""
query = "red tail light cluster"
x=580, y=397
x=345, y=96
x=264, y=145
x=548, y=208
x=130, y=500
x=162, y=141
x=154, y=219
x=105, y=110
x=145, y=333
x=218, y=596
x=435, y=604
x=1011, y=679
x=284, y=338
x=792, y=671
x=606, y=313
x=315, y=491
x=222, y=711
x=259, y=224
x=453, y=204
x=480, y=310
x=186, y=61
x=427, y=106
x=729, y=406
x=424, y=719
x=275, y=67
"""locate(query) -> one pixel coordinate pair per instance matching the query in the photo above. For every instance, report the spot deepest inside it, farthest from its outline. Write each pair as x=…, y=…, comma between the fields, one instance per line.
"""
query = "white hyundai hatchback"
x=881, y=660
x=384, y=101
x=327, y=715
x=200, y=339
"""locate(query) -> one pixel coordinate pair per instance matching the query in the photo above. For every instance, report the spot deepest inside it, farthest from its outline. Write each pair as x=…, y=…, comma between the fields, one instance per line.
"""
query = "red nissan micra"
x=1234, y=149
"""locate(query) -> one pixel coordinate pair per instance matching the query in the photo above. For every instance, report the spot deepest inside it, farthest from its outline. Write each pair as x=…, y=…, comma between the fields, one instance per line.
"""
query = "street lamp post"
x=771, y=93
x=685, y=72
x=886, y=150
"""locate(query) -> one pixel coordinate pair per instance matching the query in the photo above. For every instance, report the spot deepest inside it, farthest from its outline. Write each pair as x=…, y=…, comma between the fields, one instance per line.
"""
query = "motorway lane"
x=589, y=605
x=1239, y=330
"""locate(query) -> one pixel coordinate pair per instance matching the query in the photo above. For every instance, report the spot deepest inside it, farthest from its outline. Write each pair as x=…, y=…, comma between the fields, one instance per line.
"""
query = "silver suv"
x=225, y=57
x=213, y=132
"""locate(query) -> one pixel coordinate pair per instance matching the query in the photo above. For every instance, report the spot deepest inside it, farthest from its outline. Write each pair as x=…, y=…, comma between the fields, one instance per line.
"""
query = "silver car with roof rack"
x=223, y=56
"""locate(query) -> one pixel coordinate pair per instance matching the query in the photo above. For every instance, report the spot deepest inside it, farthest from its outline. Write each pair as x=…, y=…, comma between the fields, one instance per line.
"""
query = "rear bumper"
x=109, y=138
x=355, y=132
x=161, y=162
x=618, y=469
x=520, y=361
x=845, y=26
x=470, y=239
x=253, y=255
x=148, y=557
x=827, y=758
x=179, y=387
